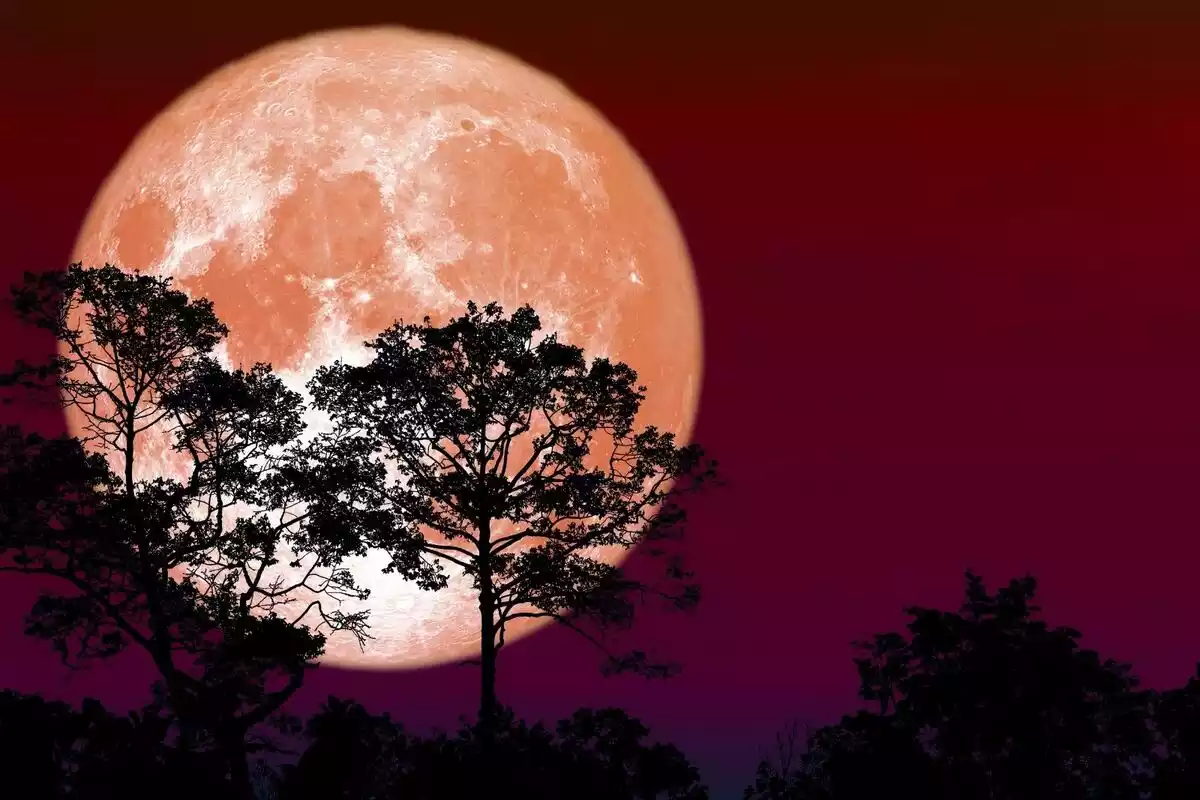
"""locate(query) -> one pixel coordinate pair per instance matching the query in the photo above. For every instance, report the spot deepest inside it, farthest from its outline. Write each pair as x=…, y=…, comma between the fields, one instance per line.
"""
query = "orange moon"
x=323, y=187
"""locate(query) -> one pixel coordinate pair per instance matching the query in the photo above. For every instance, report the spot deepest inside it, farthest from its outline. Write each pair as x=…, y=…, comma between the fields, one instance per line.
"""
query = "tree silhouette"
x=52, y=750
x=184, y=567
x=610, y=744
x=778, y=776
x=989, y=702
x=36, y=739
x=351, y=754
x=132, y=757
x=518, y=461
x=1177, y=722
x=593, y=755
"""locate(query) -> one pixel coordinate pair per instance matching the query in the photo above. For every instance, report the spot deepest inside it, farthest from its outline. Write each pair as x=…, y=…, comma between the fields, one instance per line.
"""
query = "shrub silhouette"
x=52, y=750
x=593, y=755
x=1177, y=722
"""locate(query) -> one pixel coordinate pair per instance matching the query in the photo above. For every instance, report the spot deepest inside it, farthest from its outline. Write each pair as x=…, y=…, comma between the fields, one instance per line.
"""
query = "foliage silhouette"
x=492, y=430
x=989, y=702
x=135, y=361
x=55, y=751
x=36, y=739
x=985, y=702
x=594, y=755
x=1177, y=722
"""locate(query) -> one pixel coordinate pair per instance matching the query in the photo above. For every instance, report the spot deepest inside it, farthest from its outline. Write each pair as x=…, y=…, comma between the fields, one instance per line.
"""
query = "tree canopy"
x=986, y=702
x=483, y=447
x=185, y=562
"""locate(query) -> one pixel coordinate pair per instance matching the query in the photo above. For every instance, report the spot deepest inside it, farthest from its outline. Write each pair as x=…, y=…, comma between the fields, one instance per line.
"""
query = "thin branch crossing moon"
x=323, y=187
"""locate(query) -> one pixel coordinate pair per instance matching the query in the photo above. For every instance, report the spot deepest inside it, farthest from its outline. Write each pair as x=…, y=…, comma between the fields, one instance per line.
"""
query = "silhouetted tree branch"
x=507, y=457
x=186, y=564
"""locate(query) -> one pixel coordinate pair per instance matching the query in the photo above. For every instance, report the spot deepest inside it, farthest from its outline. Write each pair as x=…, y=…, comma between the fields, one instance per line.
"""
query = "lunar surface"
x=324, y=187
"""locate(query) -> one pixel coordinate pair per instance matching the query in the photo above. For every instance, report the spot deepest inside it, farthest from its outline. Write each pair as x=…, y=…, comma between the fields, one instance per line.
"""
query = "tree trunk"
x=239, y=768
x=487, y=633
x=487, y=653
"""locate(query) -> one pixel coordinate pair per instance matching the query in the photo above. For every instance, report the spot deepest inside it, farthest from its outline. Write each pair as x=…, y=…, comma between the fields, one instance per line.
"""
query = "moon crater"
x=323, y=187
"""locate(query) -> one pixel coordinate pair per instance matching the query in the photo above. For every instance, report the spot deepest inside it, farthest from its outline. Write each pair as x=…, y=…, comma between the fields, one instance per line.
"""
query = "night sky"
x=950, y=270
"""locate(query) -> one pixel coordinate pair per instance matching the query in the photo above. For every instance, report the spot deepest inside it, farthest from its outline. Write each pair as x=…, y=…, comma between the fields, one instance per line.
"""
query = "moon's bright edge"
x=323, y=187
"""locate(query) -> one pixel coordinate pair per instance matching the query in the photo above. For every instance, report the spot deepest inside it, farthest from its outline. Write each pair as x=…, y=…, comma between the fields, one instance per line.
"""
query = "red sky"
x=951, y=282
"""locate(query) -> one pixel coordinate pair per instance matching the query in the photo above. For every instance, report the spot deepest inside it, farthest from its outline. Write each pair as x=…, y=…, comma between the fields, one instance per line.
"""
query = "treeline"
x=984, y=703
x=54, y=751
x=193, y=516
x=990, y=702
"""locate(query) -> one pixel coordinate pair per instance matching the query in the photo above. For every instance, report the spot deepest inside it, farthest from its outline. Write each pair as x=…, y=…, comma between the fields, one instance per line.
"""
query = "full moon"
x=322, y=188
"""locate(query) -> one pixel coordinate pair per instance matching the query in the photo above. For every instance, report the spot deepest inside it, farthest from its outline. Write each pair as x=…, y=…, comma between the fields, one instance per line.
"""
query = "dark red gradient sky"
x=950, y=269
